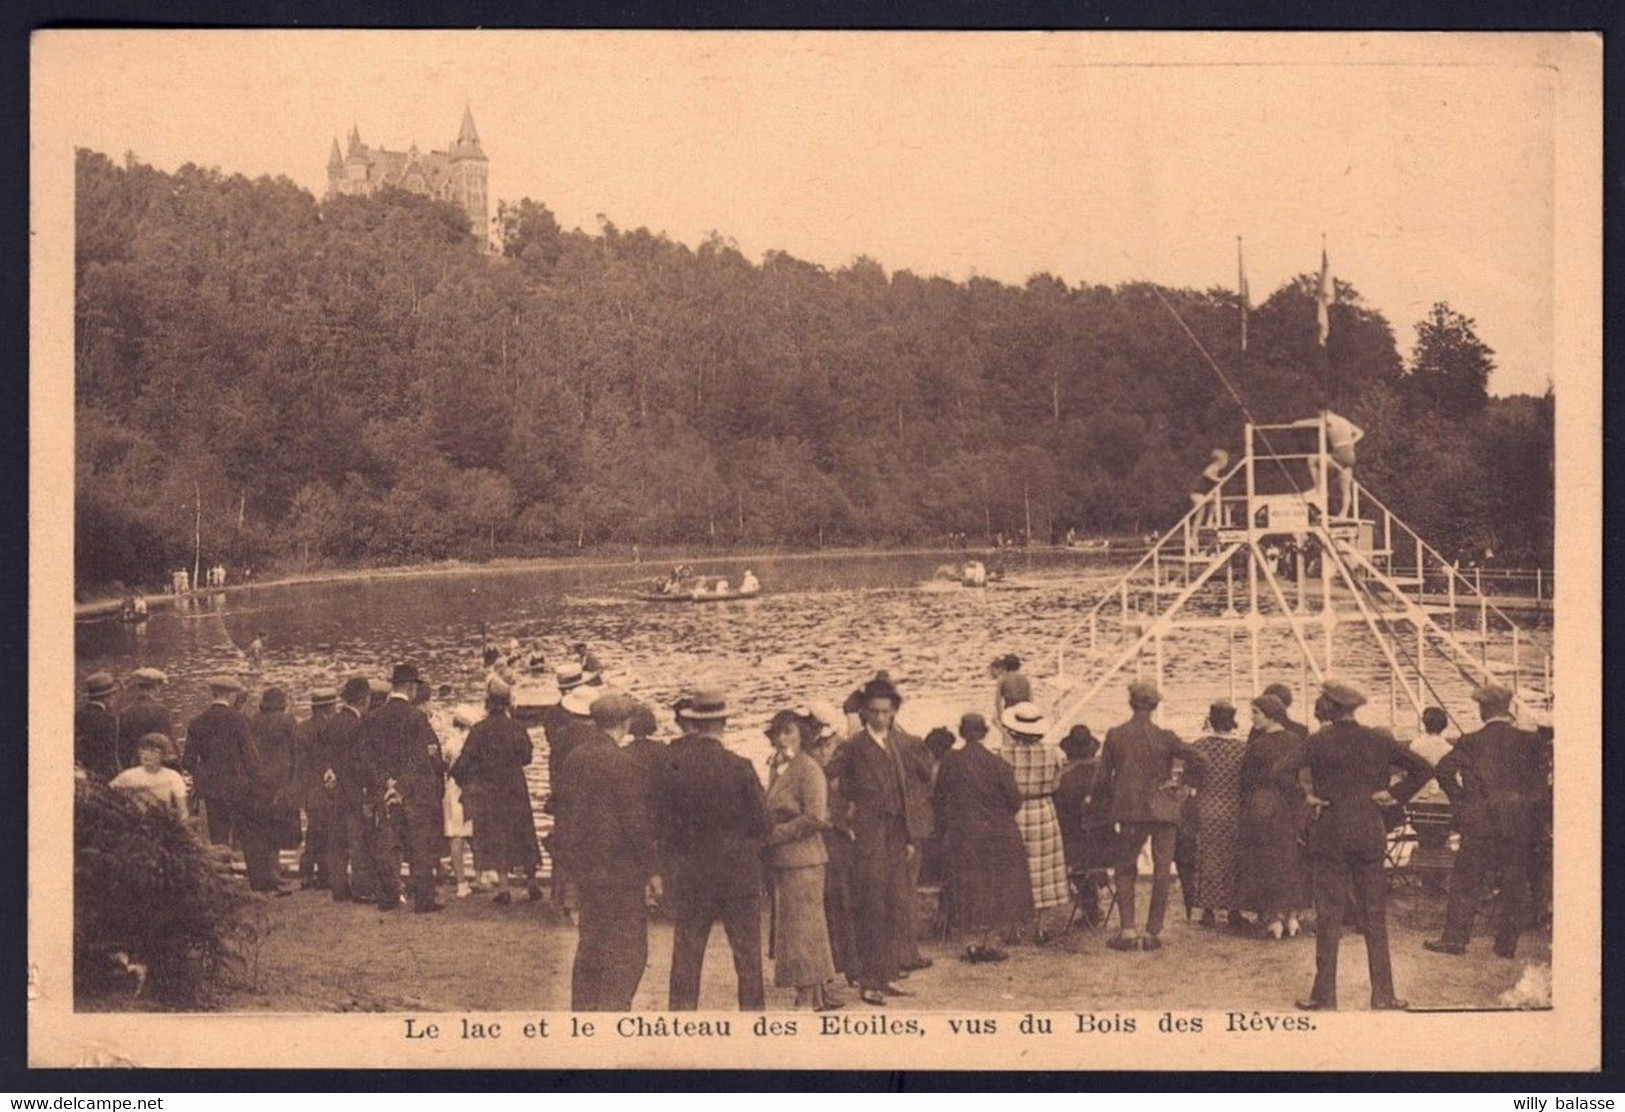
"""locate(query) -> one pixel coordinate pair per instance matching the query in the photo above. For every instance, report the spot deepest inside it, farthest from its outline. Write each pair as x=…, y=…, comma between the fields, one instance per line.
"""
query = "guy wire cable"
x=1299, y=493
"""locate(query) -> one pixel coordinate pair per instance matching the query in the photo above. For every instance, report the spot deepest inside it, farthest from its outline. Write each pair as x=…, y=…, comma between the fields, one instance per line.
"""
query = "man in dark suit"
x=221, y=759
x=607, y=839
x=1345, y=769
x=566, y=725
x=309, y=793
x=95, y=730
x=264, y=811
x=352, y=857
x=873, y=769
x=407, y=781
x=145, y=715
x=1494, y=777
x=711, y=815
x=647, y=750
x=1136, y=779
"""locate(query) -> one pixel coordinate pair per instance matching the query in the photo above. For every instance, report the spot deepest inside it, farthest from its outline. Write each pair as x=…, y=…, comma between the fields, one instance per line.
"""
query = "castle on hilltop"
x=456, y=174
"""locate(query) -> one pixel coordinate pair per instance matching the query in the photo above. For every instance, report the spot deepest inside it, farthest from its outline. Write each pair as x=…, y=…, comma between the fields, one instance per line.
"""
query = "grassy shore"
x=322, y=956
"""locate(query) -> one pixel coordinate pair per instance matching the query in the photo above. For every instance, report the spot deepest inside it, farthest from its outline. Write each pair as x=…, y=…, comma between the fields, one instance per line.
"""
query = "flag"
x=1323, y=298
x=1246, y=300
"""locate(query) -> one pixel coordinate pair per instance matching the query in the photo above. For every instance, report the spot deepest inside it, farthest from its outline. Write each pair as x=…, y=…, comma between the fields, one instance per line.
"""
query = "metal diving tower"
x=1260, y=576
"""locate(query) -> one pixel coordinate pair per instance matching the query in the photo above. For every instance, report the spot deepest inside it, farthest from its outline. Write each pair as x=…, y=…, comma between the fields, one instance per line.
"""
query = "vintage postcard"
x=933, y=550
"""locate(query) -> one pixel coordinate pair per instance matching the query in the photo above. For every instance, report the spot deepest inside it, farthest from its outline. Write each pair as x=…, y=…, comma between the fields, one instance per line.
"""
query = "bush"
x=144, y=886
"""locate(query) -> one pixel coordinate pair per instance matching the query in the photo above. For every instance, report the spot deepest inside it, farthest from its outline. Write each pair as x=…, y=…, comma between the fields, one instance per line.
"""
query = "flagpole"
x=1241, y=288
x=1323, y=320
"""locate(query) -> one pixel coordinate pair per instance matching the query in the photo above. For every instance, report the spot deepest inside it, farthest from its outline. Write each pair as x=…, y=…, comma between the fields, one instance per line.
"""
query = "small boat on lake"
x=697, y=595
x=702, y=589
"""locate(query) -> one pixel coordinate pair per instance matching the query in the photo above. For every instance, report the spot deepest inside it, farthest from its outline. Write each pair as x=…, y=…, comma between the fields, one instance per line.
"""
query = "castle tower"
x=457, y=174
x=468, y=173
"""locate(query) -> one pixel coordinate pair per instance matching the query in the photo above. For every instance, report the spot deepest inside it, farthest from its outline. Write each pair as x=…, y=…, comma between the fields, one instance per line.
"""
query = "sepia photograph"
x=977, y=550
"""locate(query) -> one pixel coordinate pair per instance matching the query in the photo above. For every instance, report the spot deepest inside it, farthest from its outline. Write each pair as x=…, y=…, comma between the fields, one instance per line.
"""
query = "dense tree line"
x=290, y=381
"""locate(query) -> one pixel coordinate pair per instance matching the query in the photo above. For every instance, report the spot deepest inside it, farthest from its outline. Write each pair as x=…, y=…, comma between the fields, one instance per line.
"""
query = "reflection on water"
x=822, y=625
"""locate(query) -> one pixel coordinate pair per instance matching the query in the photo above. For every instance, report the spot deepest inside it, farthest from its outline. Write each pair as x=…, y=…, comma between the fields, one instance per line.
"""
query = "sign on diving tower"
x=1289, y=570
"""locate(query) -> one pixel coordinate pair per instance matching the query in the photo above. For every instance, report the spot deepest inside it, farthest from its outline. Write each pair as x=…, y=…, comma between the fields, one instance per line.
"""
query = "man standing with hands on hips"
x=1344, y=770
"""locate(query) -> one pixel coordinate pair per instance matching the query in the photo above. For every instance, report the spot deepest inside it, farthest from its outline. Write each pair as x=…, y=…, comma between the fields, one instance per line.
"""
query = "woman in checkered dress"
x=1038, y=771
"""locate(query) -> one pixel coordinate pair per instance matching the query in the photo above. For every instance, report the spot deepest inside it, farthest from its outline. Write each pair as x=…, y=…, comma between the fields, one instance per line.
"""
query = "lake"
x=823, y=625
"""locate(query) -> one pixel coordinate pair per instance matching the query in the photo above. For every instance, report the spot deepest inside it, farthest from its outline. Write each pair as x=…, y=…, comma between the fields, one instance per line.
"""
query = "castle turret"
x=468, y=169
x=468, y=139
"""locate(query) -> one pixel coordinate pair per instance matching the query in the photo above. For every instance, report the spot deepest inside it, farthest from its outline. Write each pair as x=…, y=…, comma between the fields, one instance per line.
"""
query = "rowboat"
x=697, y=596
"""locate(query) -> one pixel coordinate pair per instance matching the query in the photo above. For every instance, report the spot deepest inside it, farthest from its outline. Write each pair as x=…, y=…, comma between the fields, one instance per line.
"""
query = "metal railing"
x=1183, y=527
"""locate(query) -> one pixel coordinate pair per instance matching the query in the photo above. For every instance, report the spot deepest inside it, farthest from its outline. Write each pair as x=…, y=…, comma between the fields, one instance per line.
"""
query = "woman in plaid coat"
x=1038, y=771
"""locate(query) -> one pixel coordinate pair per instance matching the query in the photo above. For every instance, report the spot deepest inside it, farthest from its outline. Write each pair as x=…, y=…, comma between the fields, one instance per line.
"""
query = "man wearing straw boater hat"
x=1136, y=776
x=711, y=814
x=607, y=840
x=566, y=725
x=872, y=769
x=1494, y=777
x=1345, y=769
x=406, y=785
x=95, y=729
x=221, y=759
x=352, y=858
x=560, y=721
x=145, y=715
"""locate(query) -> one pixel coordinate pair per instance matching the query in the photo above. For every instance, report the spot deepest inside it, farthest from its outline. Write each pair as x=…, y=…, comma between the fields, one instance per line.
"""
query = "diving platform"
x=1288, y=546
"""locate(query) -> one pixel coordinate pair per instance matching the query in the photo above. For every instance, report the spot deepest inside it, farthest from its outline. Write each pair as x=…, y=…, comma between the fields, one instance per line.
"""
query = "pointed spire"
x=468, y=134
x=355, y=139
x=335, y=159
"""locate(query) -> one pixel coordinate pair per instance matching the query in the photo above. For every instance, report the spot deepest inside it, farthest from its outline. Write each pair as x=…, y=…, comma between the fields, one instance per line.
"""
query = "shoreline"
x=110, y=607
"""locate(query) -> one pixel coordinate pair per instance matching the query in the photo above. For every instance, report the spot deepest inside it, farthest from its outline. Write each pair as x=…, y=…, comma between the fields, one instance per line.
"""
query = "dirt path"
x=475, y=956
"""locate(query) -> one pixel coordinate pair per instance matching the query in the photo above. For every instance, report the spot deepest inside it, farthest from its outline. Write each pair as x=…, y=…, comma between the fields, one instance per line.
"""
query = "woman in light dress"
x=798, y=801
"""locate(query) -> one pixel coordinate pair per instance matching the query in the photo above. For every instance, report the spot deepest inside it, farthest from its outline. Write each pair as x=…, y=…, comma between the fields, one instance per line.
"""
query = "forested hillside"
x=356, y=381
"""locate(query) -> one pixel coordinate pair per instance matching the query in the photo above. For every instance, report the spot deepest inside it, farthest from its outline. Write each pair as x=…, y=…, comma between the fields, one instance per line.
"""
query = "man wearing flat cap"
x=95, y=730
x=711, y=815
x=221, y=759
x=1141, y=801
x=309, y=793
x=144, y=715
x=872, y=771
x=406, y=782
x=352, y=856
x=1495, y=777
x=606, y=838
x=1344, y=770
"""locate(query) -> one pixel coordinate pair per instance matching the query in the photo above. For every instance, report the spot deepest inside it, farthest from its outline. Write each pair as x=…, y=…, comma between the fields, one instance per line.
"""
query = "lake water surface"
x=822, y=626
